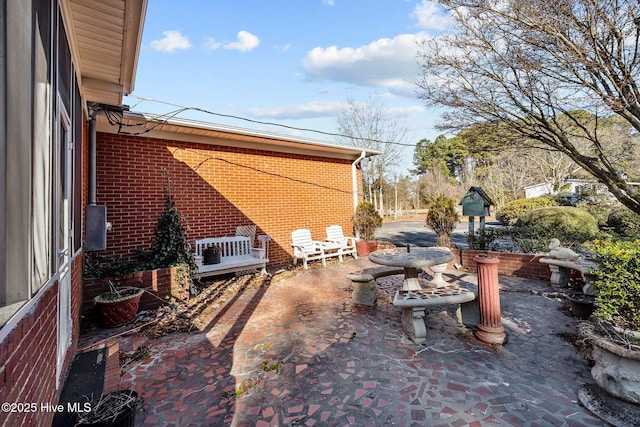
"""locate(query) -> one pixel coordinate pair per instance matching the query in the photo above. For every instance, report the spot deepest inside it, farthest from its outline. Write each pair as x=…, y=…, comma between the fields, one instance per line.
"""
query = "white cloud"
x=212, y=44
x=246, y=42
x=329, y=2
x=282, y=49
x=318, y=109
x=309, y=110
x=384, y=63
x=171, y=41
x=430, y=15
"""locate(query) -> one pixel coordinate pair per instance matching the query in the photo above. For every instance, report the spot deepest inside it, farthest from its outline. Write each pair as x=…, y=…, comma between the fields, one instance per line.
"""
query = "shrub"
x=530, y=239
x=97, y=265
x=522, y=239
x=171, y=247
x=510, y=212
x=442, y=218
x=596, y=201
x=366, y=220
x=624, y=222
x=600, y=212
x=489, y=238
x=572, y=226
x=617, y=282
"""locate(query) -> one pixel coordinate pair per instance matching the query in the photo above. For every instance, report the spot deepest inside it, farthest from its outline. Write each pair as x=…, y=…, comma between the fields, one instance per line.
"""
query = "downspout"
x=92, y=157
x=354, y=182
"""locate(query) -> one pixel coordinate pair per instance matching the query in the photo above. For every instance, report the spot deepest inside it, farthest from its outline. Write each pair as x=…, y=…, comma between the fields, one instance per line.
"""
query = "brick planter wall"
x=511, y=264
x=158, y=285
x=216, y=188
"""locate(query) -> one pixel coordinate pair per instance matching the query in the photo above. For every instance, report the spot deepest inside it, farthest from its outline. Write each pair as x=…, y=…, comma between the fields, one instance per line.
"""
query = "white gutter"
x=354, y=179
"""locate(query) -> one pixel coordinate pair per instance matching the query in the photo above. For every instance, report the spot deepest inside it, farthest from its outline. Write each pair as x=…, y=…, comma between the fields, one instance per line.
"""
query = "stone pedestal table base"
x=437, y=271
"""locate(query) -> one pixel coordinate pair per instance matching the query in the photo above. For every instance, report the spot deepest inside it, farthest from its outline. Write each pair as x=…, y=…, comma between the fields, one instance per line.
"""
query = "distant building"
x=571, y=189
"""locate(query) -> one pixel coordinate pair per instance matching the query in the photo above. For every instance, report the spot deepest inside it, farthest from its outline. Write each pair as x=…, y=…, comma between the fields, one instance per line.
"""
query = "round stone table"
x=411, y=261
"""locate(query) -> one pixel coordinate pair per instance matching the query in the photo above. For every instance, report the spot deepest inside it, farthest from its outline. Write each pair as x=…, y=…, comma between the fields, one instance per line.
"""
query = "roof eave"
x=105, y=57
x=214, y=134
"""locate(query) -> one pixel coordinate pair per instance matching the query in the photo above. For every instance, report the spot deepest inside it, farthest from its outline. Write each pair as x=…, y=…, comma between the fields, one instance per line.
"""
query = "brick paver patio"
x=297, y=351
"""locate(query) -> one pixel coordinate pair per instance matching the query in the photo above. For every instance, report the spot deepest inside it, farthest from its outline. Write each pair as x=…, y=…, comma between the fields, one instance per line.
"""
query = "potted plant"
x=615, y=334
x=366, y=221
x=119, y=306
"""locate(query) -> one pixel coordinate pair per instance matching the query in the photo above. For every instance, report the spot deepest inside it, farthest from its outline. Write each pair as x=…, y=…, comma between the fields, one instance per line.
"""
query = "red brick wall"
x=28, y=356
x=217, y=188
x=511, y=264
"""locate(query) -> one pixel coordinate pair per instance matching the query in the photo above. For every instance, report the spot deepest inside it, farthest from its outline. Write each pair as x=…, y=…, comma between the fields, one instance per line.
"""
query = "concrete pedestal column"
x=490, y=329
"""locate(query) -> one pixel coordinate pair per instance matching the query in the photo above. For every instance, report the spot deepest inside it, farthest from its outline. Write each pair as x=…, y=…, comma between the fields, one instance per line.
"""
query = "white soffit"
x=105, y=37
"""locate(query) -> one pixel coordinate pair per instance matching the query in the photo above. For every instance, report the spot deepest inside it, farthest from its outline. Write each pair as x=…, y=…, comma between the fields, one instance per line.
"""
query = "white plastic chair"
x=305, y=248
x=347, y=243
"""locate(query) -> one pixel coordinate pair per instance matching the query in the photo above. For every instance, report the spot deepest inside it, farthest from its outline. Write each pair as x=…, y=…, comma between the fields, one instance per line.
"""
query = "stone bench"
x=561, y=269
x=414, y=303
x=364, y=283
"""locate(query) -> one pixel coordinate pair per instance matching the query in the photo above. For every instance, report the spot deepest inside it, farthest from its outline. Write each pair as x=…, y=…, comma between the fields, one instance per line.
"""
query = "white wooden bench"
x=561, y=269
x=236, y=254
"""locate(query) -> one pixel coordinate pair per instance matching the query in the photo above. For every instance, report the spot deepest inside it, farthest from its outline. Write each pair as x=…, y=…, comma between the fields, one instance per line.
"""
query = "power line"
x=182, y=108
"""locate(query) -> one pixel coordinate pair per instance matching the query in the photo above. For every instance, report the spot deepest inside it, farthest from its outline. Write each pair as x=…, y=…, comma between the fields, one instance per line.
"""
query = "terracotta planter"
x=119, y=310
x=365, y=247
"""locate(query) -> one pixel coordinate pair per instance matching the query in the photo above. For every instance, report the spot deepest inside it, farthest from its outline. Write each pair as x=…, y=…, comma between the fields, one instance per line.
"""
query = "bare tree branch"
x=538, y=65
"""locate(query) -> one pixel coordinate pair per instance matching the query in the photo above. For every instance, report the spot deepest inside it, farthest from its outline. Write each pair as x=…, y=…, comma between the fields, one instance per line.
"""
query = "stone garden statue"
x=559, y=252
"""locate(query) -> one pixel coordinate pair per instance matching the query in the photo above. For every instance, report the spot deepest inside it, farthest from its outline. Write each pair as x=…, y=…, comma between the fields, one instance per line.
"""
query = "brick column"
x=490, y=329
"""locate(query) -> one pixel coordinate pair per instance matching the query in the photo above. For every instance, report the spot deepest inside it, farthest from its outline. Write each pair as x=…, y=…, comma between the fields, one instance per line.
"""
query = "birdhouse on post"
x=476, y=203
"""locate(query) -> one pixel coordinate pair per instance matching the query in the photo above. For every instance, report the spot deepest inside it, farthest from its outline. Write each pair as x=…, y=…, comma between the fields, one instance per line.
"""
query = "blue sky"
x=292, y=62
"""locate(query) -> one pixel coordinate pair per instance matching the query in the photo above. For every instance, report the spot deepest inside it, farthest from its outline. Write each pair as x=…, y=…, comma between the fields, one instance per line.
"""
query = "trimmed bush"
x=510, y=212
x=617, y=282
x=442, y=218
x=624, y=222
x=571, y=225
x=366, y=220
x=600, y=212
